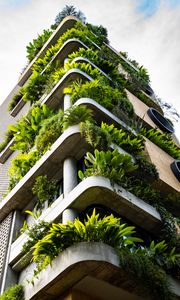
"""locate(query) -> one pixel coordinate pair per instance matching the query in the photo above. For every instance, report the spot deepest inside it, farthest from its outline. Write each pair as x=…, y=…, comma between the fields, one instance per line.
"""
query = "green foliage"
x=110, y=164
x=172, y=203
x=35, y=233
x=79, y=31
x=44, y=189
x=140, y=188
x=95, y=135
x=75, y=115
x=49, y=132
x=102, y=93
x=16, y=98
x=125, y=139
x=68, y=10
x=28, y=127
x=8, y=137
x=93, y=56
x=163, y=140
x=20, y=165
x=148, y=274
x=33, y=47
x=100, y=31
x=15, y=292
x=108, y=230
x=34, y=89
x=147, y=169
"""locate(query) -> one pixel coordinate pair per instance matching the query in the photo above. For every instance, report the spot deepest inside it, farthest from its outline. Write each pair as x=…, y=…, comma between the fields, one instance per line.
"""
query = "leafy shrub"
x=104, y=94
x=109, y=230
x=147, y=169
x=44, y=189
x=20, y=165
x=68, y=10
x=143, y=270
x=79, y=31
x=163, y=140
x=15, y=292
x=28, y=127
x=125, y=139
x=16, y=98
x=8, y=137
x=100, y=31
x=95, y=135
x=35, y=233
x=34, y=89
x=75, y=115
x=49, y=132
x=93, y=56
x=140, y=188
x=110, y=164
x=33, y=47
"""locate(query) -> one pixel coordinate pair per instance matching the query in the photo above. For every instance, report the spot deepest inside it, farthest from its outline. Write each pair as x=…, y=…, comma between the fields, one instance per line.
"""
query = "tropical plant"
x=102, y=93
x=163, y=140
x=95, y=135
x=44, y=189
x=125, y=139
x=28, y=127
x=110, y=164
x=108, y=230
x=33, y=47
x=68, y=10
x=146, y=169
x=100, y=31
x=8, y=138
x=143, y=270
x=35, y=233
x=15, y=292
x=78, y=31
x=16, y=98
x=75, y=115
x=49, y=132
x=35, y=87
x=20, y=165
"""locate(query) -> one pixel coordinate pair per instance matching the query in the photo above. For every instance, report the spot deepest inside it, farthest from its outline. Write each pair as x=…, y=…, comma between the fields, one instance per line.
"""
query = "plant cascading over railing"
x=133, y=255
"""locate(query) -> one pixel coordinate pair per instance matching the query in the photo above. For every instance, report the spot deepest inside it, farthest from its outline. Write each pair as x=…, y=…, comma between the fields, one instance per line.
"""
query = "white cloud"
x=153, y=42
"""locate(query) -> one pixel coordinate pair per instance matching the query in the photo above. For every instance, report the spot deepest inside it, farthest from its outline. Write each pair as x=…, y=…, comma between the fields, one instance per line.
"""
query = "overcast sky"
x=149, y=30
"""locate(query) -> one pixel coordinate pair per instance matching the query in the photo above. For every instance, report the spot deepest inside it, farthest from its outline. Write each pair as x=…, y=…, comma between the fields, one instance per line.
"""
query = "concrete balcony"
x=92, y=191
x=86, y=267
x=68, y=144
x=66, y=24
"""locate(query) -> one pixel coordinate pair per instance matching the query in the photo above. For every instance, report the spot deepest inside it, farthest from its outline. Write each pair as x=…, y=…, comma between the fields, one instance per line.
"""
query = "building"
x=87, y=270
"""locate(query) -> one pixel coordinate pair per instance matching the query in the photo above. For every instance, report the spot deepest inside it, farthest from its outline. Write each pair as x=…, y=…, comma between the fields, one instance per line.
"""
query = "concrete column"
x=69, y=214
x=69, y=182
x=69, y=175
x=67, y=101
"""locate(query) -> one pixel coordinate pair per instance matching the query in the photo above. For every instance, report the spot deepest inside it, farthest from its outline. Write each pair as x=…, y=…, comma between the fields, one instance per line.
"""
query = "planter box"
x=75, y=264
x=17, y=108
x=4, y=155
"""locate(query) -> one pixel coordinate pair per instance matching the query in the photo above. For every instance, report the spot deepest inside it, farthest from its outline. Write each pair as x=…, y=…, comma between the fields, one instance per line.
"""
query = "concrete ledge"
x=102, y=114
x=6, y=152
x=67, y=48
x=55, y=98
x=85, y=60
x=69, y=143
x=76, y=265
x=17, y=108
x=96, y=190
x=72, y=265
x=66, y=24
